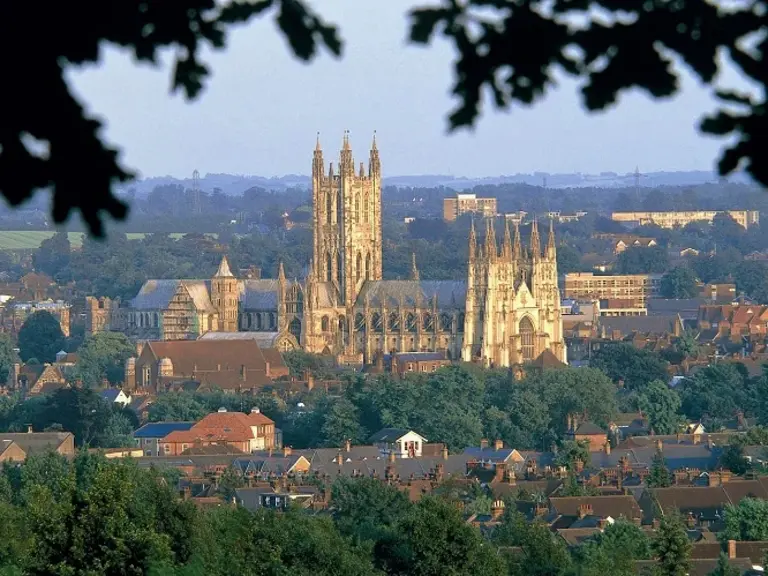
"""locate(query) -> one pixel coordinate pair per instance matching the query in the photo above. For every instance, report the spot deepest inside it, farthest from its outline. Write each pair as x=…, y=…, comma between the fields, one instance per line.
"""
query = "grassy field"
x=31, y=239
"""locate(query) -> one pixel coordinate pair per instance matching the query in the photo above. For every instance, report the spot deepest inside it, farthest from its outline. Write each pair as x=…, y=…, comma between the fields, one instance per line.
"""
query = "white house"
x=116, y=396
x=403, y=443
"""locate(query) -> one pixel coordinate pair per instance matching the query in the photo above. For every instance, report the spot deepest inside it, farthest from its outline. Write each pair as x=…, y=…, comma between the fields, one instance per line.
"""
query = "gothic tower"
x=347, y=222
x=224, y=297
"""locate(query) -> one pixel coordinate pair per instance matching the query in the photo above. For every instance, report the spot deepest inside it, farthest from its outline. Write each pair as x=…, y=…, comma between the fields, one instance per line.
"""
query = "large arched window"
x=295, y=328
x=394, y=321
x=339, y=268
x=358, y=266
x=357, y=208
x=324, y=324
x=368, y=266
x=328, y=267
x=446, y=322
x=410, y=322
x=366, y=208
x=526, y=338
x=360, y=324
x=376, y=322
x=328, y=207
x=426, y=321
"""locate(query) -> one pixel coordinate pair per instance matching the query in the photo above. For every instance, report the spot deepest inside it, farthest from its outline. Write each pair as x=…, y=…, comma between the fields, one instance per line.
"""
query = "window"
x=368, y=266
x=526, y=338
x=357, y=208
x=324, y=324
x=328, y=207
x=295, y=328
x=365, y=210
x=328, y=267
x=358, y=266
x=410, y=367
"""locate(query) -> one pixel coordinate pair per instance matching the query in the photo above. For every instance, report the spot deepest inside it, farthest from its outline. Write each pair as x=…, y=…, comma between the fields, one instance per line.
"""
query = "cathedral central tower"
x=347, y=221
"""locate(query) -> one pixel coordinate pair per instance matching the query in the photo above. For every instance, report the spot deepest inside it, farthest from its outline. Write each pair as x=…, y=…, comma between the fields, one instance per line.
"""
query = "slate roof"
x=36, y=442
x=419, y=356
x=450, y=293
x=265, y=340
x=111, y=394
x=589, y=429
x=161, y=429
x=388, y=435
x=660, y=324
x=602, y=506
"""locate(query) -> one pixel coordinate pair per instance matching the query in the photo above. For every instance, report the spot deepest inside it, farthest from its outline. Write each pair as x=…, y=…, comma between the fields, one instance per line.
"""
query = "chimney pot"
x=483, y=443
x=498, y=445
x=347, y=446
x=731, y=549
x=29, y=429
x=287, y=451
x=444, y=452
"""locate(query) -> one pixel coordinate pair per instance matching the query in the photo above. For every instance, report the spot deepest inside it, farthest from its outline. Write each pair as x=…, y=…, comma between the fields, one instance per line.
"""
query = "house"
x=148, y=437
x=244, y=432
x=255, y=498
x=11, y=452
x=35, y=379
x=229, y=365
x=587, y=432
x=399, y=441
x=116, y=396
x=31, y=443
x=408, y=362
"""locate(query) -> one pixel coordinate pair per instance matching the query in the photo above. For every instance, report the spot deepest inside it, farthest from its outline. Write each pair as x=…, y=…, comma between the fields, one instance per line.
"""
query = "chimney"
x=497, y=509
x=439, y=471
x=483, y=444
x=725, y=476
x=287, y=451
x=659, y=446
x=499, y=472
x=511, y=476
x=540, y=509
x=444, y=452
x=498, y=445
x=244, y=372
x=602, y=524
x=392, y=456
x=347, y=445
x=731, y=549
x=585, y=510
x=690, y=520
x=339, y=459
x=607, y=447
x=29, y=429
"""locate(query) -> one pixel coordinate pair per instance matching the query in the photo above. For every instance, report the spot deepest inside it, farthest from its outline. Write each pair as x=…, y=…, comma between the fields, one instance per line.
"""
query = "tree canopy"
x=512, y=50
x=41, y=337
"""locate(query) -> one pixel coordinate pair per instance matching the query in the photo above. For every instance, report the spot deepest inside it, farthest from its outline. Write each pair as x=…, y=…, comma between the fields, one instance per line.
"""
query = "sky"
x=262, y=108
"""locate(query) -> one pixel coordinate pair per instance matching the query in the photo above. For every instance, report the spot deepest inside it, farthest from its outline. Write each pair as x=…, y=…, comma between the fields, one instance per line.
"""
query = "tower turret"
x=491, y=249
x=535, y=241
x=225, y=296
x=414, y=268
x=374, y=164
x=551, y=252
x=517, y=248
x=472, y=243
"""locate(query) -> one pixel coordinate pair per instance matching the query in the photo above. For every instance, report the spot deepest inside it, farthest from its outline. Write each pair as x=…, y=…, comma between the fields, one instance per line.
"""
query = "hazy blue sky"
x=262, y=109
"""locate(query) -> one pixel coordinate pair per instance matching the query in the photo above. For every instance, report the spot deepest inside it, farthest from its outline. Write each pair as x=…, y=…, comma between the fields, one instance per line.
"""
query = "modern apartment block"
x=466, y=203
x=744, y=218
x=636, y=288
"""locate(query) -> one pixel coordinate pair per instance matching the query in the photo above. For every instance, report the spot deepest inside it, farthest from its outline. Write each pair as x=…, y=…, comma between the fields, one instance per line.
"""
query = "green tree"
x=53, y=257
x=538, y=552
x=671, y=547
x=724, y=567
x=680, y=282
x=178, y=407
x=7, y=355
x=229, y=482
x=117, y=433
x=366, y=509
x=341, y=422
x=625, y=362
x=432, y=537
x=659, y=476
x=660, y=404
x=733, y=458
x=613, y=551
x=748, y=520
x=638, y=260
x=41, y=337
x=572, y=452
x=102, y=357
x=80, y=411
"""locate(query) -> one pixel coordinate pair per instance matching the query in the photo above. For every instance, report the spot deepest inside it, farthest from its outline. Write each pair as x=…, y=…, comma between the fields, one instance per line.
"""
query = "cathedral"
x=506, y=313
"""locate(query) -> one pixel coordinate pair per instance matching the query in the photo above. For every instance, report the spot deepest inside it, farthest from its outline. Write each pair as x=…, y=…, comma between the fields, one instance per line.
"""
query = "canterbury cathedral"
x=506, y=313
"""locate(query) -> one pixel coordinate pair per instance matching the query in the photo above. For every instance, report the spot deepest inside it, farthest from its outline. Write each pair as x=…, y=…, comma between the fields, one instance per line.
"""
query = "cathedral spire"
x=317, y=143
x=535, y=241
x=281, y=272
x=374, y=163
x=491, y=250
x=414, y=268
x=551, y=252
x=472, y=242
x=517, y=249
x=506, y=248
x=224, y=271
x=345, y=143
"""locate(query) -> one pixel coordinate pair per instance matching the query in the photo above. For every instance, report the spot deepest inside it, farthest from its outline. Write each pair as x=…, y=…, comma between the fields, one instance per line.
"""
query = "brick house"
x=243, y=432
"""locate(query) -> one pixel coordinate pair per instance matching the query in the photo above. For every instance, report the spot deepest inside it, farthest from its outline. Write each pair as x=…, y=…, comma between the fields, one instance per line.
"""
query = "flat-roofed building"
x=744, y=218
x=468, y=203
x=627, y=287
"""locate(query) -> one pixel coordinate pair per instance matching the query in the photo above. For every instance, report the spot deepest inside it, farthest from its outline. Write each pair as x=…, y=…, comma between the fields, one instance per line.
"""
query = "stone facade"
x=506, y=313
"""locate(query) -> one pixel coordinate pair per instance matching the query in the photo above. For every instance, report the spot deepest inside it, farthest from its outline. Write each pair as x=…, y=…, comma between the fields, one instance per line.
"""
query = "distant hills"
x=237, y=184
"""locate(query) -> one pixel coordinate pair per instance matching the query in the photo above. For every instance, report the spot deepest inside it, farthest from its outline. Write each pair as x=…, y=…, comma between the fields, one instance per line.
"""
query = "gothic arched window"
x=366, y=208
x=394, y=321
x=357, y=208
x=368, y=266
x=526, y=338
x=460, y=327
x=339, y=268
x=376, y=322
x=358, y=266
x=446, y=322
x=295, y=328
x=410, y=322
x=328, y=267
x=328, y=207
x=324, y=324
x=426, y=321
x=360, y=323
